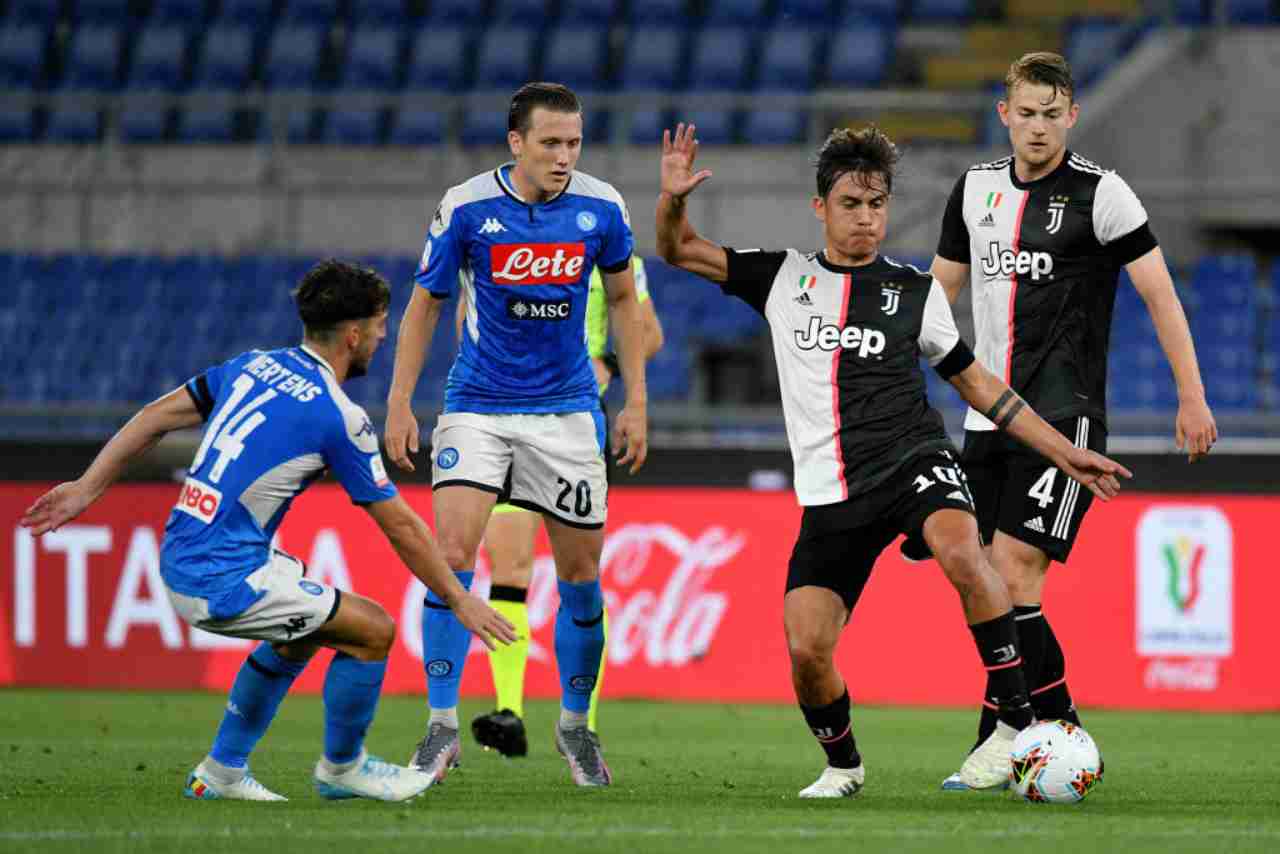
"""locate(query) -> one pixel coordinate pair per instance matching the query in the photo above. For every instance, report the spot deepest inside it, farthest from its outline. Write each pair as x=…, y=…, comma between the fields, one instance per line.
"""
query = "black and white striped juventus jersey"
x=848, y=342
x=1044, y=257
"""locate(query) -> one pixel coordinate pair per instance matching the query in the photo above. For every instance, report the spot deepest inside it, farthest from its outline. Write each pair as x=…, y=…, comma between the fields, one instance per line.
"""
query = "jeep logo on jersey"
x=827, y=336
x=537, y=263
x=538, y=309
x=1006, y=262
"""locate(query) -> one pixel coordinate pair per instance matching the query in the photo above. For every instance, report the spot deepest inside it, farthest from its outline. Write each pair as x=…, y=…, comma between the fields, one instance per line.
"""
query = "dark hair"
x=553, y=96
x=1044, y=68
x=864, y=152
x=333, y=292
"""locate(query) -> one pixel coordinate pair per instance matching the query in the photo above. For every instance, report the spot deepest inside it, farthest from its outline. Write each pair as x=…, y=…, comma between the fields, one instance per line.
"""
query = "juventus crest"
x=891, y=295
x=1057, y=204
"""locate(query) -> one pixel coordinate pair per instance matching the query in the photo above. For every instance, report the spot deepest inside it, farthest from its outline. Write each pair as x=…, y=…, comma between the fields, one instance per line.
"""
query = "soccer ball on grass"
x=1054, y=762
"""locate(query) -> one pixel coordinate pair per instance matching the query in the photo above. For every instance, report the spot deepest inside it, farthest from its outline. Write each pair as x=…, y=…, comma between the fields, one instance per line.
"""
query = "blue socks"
x=445, y=642
x=261, y=684
x=351, y=689
x=579, y=642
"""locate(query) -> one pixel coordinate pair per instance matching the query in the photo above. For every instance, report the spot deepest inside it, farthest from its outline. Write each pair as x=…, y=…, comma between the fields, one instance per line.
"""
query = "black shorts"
x=839, y=543
x=1019, y=493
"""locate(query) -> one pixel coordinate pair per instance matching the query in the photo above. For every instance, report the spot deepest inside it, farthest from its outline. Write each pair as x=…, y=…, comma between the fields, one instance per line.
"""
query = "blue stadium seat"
x=883, y=12
x=310, y=13
x=653, y=59
x=647, y=126
x=93, y=58
x=102, y=11
x=225, y=60
x=373, y=59
x=859, y=56
x=452, y=13
x=353, y=127
x=787, y=59
x=74, y=124
x=21, y=54
x=815, y=14
x=16, y=124
x=1092, y=47
x=299, y=125
x=599, y=12
x=575, y=56
x=438, y=59
x=485, y=126
x=505, y=58
x=721, y=60
x=1251, y=12
x=144, y=124
x=774, y=127
x=184, y=12
x=293, y=58
x=379, y=13
x=736, y=13
x=41, y=12
x=157, y=58
x=207, y=125
x=665, y=12
x=935, y=11
x=713, y=126
x=249, y=13
x=528, y=13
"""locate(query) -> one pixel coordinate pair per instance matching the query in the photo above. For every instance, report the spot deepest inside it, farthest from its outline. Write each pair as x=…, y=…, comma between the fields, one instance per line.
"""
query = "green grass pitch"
x=88, y=771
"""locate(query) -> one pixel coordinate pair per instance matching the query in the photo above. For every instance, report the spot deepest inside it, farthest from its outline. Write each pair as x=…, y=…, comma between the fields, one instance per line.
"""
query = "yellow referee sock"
x=508, y=662
x=595, y=695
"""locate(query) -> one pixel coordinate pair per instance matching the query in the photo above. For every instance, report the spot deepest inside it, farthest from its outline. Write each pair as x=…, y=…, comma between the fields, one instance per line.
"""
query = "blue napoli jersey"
x=524, y=271
x=275, y=422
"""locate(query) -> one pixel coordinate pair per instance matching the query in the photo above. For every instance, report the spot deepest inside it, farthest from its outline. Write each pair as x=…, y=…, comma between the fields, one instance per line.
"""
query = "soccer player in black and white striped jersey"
x=871, y=457
x=1041, y=236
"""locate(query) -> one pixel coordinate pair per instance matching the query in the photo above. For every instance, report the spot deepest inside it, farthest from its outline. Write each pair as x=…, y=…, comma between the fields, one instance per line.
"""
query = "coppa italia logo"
x=1184, y=582
x=537, y=263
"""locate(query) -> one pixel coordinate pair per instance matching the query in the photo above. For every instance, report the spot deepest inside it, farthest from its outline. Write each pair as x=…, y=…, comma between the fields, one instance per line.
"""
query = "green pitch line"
x=103, y=772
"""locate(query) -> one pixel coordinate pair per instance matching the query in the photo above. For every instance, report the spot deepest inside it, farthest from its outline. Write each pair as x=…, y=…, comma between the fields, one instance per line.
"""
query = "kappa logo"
x=987, y=221
x=492, y=226
x=294, y=625
x=1036, y=524
x=892, y=296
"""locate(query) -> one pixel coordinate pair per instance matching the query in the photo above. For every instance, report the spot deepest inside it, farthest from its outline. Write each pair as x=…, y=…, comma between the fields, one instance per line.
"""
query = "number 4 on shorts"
x=1042, y=489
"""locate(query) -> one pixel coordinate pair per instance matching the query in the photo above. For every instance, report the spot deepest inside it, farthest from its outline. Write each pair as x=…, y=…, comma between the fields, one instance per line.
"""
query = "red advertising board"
x=1165, y=603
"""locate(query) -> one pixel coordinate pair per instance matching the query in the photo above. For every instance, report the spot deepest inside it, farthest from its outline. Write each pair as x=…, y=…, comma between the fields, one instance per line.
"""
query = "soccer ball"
x=1054, y=762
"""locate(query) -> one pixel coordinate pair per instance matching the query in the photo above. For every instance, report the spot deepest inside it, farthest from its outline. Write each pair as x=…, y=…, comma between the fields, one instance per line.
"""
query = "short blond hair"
x=1043, y=68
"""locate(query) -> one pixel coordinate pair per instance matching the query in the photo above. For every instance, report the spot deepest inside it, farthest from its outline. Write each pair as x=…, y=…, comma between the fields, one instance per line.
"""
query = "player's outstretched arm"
x=678, y=244
x=1194, y=428
x=175, y=411
x=952, y=275
x=412, y=540
x=988, y=394
x=416, y=329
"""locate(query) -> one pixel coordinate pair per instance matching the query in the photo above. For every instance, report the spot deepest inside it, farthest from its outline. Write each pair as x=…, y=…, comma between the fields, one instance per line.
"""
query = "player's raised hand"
x=484, y=622
x=56, y=507
x=1099, y=474
x=631, y=437
x=1194, y=429
x=401, y=435
x=678, y=154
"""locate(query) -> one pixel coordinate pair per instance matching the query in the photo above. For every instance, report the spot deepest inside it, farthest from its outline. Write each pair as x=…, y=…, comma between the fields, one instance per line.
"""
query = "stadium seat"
x=144, y=124
x=293, y=58
x=379, y=13
x=74, y=124
x=805, y=13
x=437, y=59
x=597, y=12
x=158, y=58
x=575, y=57
x=93, y=59
x=207, y=125
x=16, y=124
x=224, y=62
x=249, y=13
x=736, y=13
x=715, y=127
x=942, y=11
x=653, y=59
x=417, y=127
x=883, y=12
x=453, y=13
x=665, y=12
x=1092, y=47
x=21, y=54
x=526, y=13
x=721, y=59
x=373, y=59
x=41, y=12
x=774, y=127
x=353, y=127
x=102, y=11
x=183, y=12
x=647, y=126
x=859, y=56
x=1254, y=12
x=787, y=59
x=505, y=58
x=319, y=14
x=485, y=126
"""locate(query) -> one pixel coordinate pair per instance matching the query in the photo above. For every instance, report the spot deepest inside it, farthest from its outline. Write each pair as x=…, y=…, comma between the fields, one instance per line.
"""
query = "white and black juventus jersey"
x=1044, y=257
x=848, y=341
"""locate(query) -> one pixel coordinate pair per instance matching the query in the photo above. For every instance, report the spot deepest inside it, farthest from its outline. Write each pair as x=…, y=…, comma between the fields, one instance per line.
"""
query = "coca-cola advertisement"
x=1163, y=604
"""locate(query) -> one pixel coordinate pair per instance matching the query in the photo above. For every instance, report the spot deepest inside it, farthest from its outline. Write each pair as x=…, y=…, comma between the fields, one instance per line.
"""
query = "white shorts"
x=291, y=607
x=551, y=463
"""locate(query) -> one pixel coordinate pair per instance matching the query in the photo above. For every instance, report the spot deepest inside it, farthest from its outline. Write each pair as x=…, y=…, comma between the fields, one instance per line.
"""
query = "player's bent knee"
x=382, y=636
x=964, y=565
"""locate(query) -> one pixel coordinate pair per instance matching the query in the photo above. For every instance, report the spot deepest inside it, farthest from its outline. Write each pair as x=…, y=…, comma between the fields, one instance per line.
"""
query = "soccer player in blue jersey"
x=521, y=415
x=277, y=421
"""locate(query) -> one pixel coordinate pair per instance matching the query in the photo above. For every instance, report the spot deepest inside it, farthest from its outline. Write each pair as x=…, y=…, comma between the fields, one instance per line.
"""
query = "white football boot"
x=987, y=767
x=836, y=783
x=203, y=785
x=370, y=777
